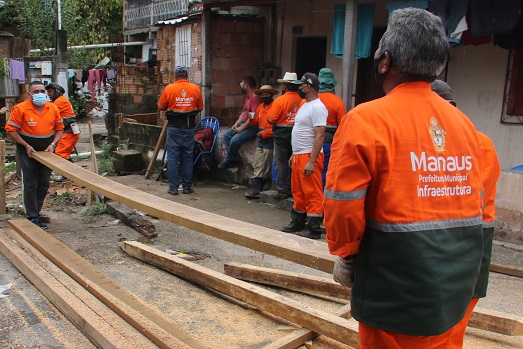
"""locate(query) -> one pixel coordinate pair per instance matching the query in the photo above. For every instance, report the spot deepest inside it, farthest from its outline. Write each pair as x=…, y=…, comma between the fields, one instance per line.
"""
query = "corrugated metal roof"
x=173, y=21
x=4, y=33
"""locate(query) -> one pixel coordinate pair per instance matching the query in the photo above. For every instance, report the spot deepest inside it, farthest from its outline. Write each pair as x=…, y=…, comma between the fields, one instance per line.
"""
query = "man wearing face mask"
x=35, y=125
x=264, y=148
x=71, y=131
x=403, y=197
x=307, y=161
x=242, y=131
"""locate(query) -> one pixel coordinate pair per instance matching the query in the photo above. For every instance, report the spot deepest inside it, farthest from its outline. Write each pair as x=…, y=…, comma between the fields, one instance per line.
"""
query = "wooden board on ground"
x=495, y=321
x=83, y=310
x=300, y=336
x=150, y=322
x=311, y=253
x=503, y=269
x=297, y=312
x=91, y=196
x=132, y=219
x=288, y=280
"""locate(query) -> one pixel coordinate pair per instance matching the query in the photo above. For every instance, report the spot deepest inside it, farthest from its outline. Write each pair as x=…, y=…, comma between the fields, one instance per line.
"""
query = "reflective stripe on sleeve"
x=345, y=195
x=13, y=124
x=488, y=224
x=422, y=226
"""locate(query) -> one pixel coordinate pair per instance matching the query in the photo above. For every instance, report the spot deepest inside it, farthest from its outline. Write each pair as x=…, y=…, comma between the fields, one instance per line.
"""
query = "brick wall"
x=236, y=51
x=137, y=88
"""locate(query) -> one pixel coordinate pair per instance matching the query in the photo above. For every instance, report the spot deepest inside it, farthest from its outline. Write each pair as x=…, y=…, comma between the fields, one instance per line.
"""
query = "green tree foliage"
x=86, y=22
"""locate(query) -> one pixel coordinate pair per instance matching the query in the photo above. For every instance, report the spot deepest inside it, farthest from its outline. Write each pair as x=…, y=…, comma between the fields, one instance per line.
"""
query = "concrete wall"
x=477, y=75
x=509, y=207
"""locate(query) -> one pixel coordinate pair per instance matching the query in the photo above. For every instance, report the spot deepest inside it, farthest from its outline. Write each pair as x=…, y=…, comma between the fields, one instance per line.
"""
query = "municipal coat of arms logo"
x=437, y=134
x=184, y=93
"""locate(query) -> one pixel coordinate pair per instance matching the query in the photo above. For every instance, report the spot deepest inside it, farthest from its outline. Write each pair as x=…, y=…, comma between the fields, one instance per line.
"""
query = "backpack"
x=204, y=137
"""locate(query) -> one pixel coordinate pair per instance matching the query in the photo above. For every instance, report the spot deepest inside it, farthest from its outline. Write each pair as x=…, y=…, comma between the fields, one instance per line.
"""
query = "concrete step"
x=266, y=197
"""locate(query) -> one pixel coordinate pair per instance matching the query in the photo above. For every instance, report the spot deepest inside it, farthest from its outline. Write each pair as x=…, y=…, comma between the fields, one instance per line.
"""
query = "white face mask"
x=39, y=98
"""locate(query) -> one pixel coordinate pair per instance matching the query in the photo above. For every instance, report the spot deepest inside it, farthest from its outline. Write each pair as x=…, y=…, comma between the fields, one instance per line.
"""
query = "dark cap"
x=442, y=89
x=312, y=80
x=181, y=70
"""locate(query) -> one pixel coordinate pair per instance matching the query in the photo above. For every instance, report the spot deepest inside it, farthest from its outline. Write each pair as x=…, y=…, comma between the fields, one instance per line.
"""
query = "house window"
x=183, y=45
x=513, y=103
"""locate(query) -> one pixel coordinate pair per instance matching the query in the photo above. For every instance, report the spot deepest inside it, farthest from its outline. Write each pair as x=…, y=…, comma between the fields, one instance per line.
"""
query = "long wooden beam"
x=96, y=323
x=311, y=253
x=503, y=269
x=495, y=321
x=288, y=280
x=299, y=336
x=297, y=312
x=146, y=319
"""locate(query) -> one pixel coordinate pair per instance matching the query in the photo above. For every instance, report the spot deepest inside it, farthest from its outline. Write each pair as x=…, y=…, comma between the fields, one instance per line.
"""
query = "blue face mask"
x=39, y=98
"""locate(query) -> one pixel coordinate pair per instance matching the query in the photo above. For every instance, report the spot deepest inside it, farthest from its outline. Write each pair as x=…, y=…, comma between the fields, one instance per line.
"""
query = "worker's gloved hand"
x=343, y=272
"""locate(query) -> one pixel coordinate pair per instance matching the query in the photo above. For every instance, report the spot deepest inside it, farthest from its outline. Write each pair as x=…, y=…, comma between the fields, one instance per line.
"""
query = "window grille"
x=512, y=102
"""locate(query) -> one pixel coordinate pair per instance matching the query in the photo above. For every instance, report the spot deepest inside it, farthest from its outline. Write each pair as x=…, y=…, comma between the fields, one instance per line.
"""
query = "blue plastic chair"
x=204, y=155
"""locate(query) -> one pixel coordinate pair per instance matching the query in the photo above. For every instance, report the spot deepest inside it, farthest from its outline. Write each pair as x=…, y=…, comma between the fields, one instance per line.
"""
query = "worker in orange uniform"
x=336, y=109
x=183, y=101
x=490, y=172
x=403, y=197
x=35, y=125
x=71, y=130
x=283, y=112
x=307, y=161
x=264, y=148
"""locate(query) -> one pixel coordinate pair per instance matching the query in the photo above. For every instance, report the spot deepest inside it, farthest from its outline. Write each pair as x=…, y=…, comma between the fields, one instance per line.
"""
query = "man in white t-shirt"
x=307, y=161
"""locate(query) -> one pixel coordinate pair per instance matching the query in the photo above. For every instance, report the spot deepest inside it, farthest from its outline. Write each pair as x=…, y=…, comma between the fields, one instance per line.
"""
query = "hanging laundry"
x=17, y=70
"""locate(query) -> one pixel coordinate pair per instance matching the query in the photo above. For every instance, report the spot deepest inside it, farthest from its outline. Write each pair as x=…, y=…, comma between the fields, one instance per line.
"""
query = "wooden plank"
x=300, y=336
x=93, y=324
x=495, y=321
x=297, y=312
x=2, y=177
x=288, y=280
x=108, y=318
x=503, y=269
x=159, y=145
x=91, y=197
x=149, y=321
x=139, y=223
x=311, y=253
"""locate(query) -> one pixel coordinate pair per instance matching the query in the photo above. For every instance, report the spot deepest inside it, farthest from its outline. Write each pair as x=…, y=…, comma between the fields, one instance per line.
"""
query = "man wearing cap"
x=71, y=130
x=336, y=109
x=35, y=125
x=243, y=130
x=490, y=171
x=264, y=148
x=282, y=115
x=307, y=161
x=183, y=101
x=403, y=196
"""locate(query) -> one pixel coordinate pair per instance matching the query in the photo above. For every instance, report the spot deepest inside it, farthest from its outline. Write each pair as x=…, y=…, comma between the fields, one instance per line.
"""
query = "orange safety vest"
x=337, y=111
x=36, y=129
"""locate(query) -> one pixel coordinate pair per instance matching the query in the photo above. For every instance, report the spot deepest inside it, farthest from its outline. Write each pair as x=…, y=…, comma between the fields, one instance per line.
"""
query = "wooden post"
x=159, y=144
x=2, y=177
x=91, y=197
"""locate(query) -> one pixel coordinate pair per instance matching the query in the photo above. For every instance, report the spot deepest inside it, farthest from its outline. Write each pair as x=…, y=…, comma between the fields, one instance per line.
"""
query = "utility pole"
x=61, y=51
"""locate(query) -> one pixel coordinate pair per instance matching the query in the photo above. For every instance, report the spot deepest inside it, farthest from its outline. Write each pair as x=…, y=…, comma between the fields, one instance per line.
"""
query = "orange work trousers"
x=374, y=338
x=66, y=145
x=307, y=191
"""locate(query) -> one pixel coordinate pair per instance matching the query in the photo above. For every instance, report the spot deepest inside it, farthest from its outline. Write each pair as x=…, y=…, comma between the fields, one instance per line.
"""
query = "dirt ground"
x=29, y=321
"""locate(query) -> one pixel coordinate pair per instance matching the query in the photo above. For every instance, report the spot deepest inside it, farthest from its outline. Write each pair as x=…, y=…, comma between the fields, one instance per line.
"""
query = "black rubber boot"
x=256, y=188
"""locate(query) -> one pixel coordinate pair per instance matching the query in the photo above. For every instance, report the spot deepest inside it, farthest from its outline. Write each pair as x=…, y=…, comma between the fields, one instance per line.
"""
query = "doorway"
x=310, y=55
x=366, y=87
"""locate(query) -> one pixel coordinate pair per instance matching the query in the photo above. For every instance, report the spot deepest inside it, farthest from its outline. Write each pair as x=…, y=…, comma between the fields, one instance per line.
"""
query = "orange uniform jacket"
x=490, y=171
x=282, y=115
x=36, y=129
x=403, y=191
x=182, y=100
x=337, y=111
x=66, y=111
x=261, y=120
